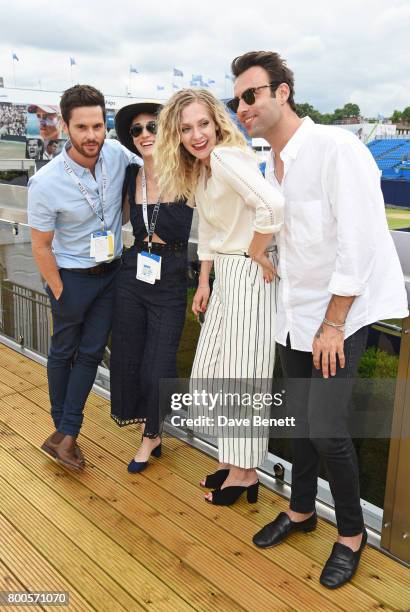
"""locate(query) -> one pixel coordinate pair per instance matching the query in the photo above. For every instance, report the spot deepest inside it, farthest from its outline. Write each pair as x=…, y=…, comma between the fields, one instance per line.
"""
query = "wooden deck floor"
x=117, y=541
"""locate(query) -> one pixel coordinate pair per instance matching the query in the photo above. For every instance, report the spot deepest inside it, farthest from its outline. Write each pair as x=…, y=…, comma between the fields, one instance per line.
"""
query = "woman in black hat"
x=150, y=303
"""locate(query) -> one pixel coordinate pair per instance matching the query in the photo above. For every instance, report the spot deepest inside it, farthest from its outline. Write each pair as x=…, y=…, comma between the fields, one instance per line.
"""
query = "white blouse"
x=234, y=202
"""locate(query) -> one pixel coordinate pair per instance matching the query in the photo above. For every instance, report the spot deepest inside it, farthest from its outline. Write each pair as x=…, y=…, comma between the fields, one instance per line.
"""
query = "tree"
x=306, y=110
x=396, y=117
x=351, y=110
x=338, y=114
x=327, y=118
x=405, y=116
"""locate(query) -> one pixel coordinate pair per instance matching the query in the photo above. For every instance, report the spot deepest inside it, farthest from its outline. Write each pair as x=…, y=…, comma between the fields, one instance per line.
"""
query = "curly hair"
x=178, y=170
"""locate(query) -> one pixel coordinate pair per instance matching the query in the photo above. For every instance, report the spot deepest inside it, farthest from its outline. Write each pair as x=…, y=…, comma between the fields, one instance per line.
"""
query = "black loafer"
x=342, y=564
x=275, y=532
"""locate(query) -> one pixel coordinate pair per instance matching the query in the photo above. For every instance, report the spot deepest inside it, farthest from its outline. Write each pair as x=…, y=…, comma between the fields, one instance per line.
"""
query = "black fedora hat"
x=126, y=114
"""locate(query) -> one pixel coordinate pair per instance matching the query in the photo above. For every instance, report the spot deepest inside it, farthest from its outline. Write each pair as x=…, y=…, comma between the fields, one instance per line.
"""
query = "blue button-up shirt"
x=56, y=204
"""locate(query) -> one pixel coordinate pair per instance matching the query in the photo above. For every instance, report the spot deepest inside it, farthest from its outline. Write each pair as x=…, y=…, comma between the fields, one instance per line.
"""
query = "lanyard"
x=84, y=191
x=150, y=228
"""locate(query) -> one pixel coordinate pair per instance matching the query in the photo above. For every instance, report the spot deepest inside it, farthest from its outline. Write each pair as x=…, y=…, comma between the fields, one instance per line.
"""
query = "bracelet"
x=340, y=326
x=203, y=287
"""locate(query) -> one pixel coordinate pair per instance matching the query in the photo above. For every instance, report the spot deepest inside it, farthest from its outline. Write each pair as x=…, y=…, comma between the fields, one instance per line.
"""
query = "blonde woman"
x=205, y=159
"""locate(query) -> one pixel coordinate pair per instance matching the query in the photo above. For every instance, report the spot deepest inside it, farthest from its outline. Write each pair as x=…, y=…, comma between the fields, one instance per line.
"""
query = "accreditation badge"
x=102, y=246
x=148, y=267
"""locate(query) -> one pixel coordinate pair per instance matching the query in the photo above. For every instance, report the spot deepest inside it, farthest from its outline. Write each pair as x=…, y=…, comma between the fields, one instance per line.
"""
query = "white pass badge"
x=102, y=246
x=148, y=267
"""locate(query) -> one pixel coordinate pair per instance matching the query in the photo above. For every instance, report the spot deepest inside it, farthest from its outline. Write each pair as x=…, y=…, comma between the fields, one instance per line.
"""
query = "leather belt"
x=99, y=269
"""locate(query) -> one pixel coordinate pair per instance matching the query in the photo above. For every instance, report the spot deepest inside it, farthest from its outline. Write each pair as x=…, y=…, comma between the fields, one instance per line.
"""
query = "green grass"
x=397, y=218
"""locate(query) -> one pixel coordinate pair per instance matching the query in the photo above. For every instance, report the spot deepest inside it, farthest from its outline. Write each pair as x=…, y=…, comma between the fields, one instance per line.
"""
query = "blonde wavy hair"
x=177, y=170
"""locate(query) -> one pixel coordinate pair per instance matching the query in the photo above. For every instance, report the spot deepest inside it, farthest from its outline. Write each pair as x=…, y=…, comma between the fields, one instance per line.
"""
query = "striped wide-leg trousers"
x=237, y=347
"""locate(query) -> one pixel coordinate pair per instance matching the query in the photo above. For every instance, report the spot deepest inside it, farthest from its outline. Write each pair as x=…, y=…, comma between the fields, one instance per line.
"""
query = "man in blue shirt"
x=75, y=212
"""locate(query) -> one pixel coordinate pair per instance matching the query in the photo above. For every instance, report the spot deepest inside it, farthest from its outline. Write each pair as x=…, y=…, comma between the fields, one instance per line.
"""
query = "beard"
x=80, y=148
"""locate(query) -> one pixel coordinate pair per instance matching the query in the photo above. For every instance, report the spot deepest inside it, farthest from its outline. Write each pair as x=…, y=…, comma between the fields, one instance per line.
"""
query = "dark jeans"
x=312, y=401
x=81, y=323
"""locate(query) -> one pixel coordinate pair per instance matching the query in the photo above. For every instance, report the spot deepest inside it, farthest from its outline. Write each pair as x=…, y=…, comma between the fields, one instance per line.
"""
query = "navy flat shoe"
x=139, y=466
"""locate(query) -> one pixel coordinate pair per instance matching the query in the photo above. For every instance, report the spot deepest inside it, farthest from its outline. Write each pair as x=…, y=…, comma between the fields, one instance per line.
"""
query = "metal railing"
x=25, y=317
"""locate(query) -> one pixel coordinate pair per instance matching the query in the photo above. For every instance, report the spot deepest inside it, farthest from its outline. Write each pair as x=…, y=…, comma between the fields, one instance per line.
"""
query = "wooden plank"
x=191, y=466
x=35, y=572
x=394, y=573
x=377, y=571
x=297, y=569
x=105, y=512
x=192, y=553
x=95, y=585
x=29, y=370
x=15, y=382
x=378, y=575
x=18, y=357
x=9, y=582
x=5, y=390
x=144, y=587
x=387, y=584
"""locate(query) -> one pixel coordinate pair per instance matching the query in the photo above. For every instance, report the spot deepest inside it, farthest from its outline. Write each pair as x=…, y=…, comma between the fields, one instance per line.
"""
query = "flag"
x=72, y=61
x=174, y=86
x=14, y=56
x=178, y=72
x=133, y=69
x=160, y=87
x=204, y=84
x=211, y=82
x=197, y=77
x=229, y=77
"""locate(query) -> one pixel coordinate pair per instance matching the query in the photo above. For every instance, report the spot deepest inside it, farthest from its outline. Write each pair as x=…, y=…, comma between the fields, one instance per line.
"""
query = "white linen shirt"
x=335, y=238
x=233, y=203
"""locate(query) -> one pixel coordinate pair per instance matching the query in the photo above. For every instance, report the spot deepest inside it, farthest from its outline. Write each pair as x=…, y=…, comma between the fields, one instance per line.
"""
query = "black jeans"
x=310, y=400
x=82, y=319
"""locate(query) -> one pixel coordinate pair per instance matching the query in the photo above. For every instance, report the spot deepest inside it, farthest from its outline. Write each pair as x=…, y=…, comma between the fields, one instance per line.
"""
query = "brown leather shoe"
x=50, y=445
x=79, y=453
x=66, y=454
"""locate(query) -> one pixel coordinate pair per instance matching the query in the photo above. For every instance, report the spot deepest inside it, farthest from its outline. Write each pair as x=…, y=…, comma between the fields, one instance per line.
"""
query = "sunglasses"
x=248, y=96
x=136, y=130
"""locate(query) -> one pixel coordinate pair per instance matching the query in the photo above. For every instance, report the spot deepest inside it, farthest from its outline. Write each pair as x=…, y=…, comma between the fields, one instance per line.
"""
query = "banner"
x=30, y=131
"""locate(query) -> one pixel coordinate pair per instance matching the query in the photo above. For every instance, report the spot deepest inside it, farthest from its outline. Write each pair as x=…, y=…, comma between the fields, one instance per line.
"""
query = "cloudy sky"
x=346, y=51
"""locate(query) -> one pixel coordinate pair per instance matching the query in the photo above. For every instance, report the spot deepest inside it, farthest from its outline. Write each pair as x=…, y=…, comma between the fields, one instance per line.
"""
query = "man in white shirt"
x=339, y=272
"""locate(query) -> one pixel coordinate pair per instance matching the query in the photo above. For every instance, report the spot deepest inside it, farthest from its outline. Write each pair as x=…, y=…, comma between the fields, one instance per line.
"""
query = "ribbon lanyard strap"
x=84, y=191
x=149, y=227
